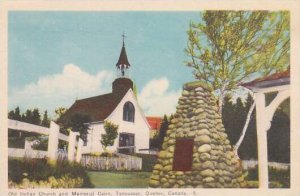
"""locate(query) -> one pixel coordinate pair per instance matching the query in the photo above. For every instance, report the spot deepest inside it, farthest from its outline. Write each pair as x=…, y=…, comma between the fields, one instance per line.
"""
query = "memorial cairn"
x=196, y=152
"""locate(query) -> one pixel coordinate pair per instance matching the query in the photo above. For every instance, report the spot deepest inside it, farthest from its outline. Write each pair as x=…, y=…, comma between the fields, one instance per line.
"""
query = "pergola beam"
x=264, y=115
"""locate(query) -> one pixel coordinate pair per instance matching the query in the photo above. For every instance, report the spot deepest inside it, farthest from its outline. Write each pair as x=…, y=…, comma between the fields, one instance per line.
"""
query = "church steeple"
x=123, y=63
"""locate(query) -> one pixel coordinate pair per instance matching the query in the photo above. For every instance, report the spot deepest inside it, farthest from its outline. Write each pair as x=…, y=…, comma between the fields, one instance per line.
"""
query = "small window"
x=183, y=155
x=128, y=112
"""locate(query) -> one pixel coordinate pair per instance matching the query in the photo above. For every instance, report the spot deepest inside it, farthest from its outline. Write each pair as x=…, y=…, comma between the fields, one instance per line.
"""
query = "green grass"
x=119, y=179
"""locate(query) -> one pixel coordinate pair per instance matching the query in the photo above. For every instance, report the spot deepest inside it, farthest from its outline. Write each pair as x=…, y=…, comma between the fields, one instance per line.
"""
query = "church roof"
x=123, y=60
x=98, y=108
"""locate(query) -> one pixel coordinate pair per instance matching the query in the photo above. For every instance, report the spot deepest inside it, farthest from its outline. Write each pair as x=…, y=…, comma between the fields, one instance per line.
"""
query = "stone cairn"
x=214, y=164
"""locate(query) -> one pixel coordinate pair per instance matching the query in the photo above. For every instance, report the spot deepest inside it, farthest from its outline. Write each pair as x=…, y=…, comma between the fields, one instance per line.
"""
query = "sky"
x=58, y=57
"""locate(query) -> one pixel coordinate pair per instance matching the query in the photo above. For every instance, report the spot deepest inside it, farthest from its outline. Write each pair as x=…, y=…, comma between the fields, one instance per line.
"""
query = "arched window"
x=128, y=112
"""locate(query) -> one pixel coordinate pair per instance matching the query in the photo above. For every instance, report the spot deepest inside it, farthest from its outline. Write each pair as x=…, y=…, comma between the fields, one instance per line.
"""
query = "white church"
x=119, y=107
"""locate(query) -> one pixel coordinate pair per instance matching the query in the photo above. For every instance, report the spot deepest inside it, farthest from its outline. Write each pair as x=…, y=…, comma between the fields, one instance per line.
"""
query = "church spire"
x=123, y=63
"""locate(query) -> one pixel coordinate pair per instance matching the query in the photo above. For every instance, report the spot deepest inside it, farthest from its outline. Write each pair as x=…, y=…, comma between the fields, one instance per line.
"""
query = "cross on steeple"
x=123, y=35
x=123, y=64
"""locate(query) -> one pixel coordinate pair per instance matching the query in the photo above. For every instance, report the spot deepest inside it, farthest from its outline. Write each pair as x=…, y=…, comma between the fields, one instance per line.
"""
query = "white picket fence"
x=54, y=135
x=122, y=162
x=250, y=164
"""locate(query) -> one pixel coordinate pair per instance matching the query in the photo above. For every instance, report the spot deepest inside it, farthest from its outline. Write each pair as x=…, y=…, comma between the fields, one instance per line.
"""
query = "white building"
x=119, y=107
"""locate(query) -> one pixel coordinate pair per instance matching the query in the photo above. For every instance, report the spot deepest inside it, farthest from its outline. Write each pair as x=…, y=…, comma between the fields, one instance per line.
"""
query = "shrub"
x=278, y=178
x=38, y=170
x=149, y=161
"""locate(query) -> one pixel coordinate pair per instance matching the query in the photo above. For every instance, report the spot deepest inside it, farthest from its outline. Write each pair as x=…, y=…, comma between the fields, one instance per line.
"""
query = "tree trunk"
x=220, y=103
x=239, y=142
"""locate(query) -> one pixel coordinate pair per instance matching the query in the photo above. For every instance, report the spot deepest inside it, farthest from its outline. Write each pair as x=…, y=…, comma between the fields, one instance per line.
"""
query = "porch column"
x=262, y=125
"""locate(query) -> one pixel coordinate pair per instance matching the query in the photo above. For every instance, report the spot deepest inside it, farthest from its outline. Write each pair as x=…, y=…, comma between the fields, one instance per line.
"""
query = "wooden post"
x=79, y=150
x=72, y=144
x=53, y=141
x=262, y=146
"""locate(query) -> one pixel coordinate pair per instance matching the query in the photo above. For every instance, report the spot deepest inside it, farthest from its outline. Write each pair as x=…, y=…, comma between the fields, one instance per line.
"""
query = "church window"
x=128, y=112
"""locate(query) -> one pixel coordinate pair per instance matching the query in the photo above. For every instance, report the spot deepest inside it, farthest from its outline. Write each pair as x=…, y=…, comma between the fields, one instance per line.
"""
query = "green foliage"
x=234, y=116
x=148, y=162
x=111, y=133
x=279, y=137
x=46, y=121
x=228, y=47
x=30, y=116
x=158, y=140
x=120, y=179
x=76, y=123
x=15, y=140
x=59, y=112
x=278, y=178
x=40, y=170
x=15, y=114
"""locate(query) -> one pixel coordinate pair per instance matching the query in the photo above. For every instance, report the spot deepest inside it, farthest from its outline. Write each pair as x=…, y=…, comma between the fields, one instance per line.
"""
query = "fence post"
x=71, y=147
x=27, y=149
x=53, y=141
x=79, y=150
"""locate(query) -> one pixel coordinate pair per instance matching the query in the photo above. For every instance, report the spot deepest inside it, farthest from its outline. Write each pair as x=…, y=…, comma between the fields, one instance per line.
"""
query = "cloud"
x=52, y=91
x=62, y=89
x=156, y=98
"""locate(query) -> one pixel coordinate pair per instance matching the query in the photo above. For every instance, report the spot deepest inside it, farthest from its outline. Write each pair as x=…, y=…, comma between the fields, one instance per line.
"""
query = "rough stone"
x=204, y=148
x=207, y=172
x=204, y=156
x=202, y=132
x=214, y=164
x=154, y=183
x=208, y=179
x=158, y=167
x=203, y=139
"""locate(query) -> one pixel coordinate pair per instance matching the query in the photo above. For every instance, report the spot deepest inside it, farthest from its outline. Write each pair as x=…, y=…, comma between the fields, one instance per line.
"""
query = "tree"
x=36, y=117
x=46, y=121
x=228, y=117
x=15, y=114
x=111, y=133
x=59, y=112
x=78, y=123
x=27, y=116
x=227, y=48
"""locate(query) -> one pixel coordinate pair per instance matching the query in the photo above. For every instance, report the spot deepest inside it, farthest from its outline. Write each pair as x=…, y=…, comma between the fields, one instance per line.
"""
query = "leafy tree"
x=279, y=136
x=14, y=114
x=77, y=123
x=36, y=117
x=227, y=48
x=27, y=116
x=163, y=131
x=228, y=117
x=46, y=121
x=111, y=133
x=11, y=115
x=158, y=140
x=233, y=118
x=59, y=112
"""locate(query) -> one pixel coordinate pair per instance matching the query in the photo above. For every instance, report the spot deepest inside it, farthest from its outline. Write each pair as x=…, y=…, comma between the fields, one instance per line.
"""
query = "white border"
x=160, y=5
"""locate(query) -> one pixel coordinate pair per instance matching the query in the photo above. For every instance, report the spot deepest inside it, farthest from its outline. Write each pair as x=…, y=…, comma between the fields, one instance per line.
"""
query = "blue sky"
x=56, y=57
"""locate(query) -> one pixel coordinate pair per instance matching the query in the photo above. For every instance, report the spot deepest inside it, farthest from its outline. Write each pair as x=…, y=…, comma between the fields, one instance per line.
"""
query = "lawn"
x=119, y=179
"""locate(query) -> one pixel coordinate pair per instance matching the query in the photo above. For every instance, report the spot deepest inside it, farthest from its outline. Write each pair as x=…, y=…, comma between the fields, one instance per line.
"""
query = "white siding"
x=139, y=128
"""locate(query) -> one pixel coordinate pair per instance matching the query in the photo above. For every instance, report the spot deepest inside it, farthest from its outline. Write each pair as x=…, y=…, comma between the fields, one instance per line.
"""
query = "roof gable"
x=98, y=108
x=134, y=100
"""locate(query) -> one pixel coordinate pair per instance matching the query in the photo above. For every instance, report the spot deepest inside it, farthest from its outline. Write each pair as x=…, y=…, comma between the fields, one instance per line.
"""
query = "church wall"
x=94, y=137
x=139, y=127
